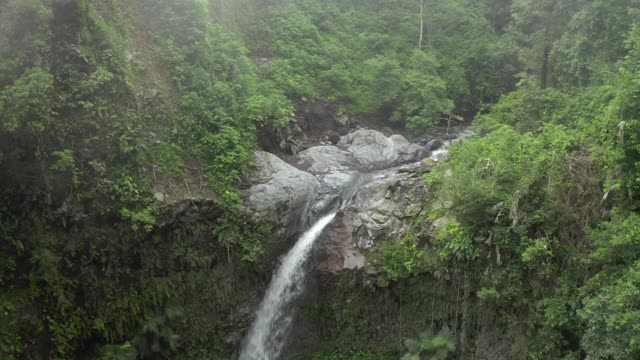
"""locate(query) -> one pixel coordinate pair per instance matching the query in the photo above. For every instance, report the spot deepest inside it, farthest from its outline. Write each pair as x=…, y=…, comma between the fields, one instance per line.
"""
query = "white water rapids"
x=266, y=338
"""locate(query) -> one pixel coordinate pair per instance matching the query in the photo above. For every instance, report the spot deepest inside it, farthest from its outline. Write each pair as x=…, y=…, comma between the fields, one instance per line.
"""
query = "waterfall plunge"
x=266, y=338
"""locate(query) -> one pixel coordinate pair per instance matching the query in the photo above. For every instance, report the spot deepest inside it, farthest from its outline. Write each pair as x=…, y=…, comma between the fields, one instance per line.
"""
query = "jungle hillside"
x=133, y=134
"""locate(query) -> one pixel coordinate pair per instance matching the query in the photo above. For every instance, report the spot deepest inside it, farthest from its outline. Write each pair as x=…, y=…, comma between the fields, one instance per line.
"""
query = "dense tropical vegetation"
x=102, y=100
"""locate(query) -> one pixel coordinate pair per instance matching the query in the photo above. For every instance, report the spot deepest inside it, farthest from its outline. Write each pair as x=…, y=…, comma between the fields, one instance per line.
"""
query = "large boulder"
x=408, y=152
x=334, y=169
x=325, y=159
x=373, y=151
x=281, y=194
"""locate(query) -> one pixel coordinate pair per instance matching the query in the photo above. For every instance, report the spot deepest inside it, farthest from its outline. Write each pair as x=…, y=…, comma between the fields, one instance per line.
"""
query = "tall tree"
x=421, y=24
x=537, y=25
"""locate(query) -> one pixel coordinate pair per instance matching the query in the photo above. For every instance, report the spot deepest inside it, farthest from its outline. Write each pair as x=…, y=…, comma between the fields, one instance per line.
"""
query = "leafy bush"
x=431, y=347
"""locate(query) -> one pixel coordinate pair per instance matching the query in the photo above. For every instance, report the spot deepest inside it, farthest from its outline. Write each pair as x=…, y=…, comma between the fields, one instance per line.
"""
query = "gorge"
x=320, y=180
x=363, y=161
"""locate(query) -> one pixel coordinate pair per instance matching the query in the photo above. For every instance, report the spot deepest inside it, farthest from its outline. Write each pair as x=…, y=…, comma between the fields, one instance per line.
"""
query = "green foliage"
x=117, y=352
x=103, y=102
x=427, y=346
x=617, y=242
x=66, y=163
x=530, y=192
x=364, y=55
x=508, y=178
x=401, y=260
x=360, y=355
x=157, y=337
x=222, y=98
x=27, y=104
x=526, y=107
x=23, y=44
x=506, y=193
x=455, y=242
x=424, y=94
x=538, y=253
x=620, y=124
x=610, y=305
x=238, y=235
x=593, y=43
x=612, y=315
x=88, y=128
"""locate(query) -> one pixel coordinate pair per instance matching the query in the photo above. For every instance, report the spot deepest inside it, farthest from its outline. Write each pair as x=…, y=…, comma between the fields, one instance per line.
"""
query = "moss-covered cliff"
x=117, y=119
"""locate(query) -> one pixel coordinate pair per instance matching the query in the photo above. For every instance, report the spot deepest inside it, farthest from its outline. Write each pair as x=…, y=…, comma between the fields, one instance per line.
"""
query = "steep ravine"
x=378, y=181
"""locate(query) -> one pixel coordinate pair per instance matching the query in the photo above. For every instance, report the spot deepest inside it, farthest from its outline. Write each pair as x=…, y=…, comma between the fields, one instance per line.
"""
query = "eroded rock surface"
x=364, y=171
x=281, y=193
x=324, y=159
x=336, y=172
x=374, y=151
x=381, y=209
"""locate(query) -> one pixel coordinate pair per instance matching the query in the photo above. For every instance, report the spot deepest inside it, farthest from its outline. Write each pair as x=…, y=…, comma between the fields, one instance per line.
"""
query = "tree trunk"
x=544, y=74
x=421, y=24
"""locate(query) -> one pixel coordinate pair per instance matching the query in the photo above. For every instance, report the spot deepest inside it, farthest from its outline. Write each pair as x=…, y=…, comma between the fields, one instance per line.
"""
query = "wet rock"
x=339, y=250
x=373, y=151
x=381, y=209
x=334, y=169
x=325, y=159
x=408, y=152
x=434, y=144
x=281, y=193
x=384, y=209
x=334, y=137
x=370, y=148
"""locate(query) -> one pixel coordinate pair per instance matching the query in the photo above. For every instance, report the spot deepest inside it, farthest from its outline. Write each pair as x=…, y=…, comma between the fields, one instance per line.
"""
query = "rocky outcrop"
x=381, y=209
x=334, y=169
x=362, y=150
x=374, y=151
x=340, y=169
x=280, y=194
x=325, y=159
x=381, y=198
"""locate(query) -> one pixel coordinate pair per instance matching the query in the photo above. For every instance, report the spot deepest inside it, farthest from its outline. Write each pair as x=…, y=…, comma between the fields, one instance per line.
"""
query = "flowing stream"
x=266, y=338
x=442, y=153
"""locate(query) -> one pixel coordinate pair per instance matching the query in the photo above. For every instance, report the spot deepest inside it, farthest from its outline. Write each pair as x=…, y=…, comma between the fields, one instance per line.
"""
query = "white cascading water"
x=266, y=338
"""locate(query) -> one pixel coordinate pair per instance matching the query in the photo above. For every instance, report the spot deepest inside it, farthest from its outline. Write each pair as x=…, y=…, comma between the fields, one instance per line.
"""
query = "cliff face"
x=348, y=309
x=120, y=231
x=346, y=313
x=354, y=303
x=381, y=210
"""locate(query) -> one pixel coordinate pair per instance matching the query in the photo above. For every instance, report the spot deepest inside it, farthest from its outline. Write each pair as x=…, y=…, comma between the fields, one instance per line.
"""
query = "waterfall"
x=266, y=338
